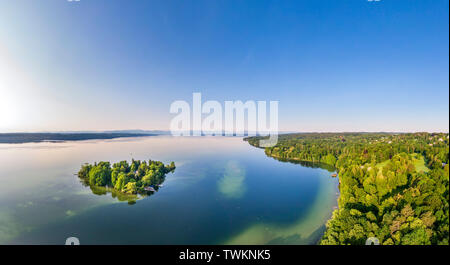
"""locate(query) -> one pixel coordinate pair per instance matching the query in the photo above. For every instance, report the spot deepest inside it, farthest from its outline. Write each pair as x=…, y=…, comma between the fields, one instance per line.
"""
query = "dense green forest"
x=394, y=187
x=135, y=178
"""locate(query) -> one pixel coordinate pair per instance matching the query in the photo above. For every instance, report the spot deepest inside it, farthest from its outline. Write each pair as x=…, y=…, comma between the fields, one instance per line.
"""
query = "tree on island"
x=136, y=178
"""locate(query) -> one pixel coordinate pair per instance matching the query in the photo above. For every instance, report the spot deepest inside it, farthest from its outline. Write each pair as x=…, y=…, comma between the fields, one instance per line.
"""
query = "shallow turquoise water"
x=223, y=192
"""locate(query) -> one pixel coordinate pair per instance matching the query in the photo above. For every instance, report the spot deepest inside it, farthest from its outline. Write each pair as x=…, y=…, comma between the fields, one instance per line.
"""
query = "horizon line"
x=168, y=131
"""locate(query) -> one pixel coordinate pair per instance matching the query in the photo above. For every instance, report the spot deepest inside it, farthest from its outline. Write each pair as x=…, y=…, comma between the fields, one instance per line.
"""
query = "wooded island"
x=136, y=178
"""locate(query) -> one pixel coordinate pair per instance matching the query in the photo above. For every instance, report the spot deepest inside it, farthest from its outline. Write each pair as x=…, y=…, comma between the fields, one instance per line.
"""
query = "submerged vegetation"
x=392, y=186
x=125, y=180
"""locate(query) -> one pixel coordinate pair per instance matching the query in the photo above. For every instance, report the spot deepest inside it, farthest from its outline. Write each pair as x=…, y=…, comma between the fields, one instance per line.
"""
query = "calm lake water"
x=224, y=191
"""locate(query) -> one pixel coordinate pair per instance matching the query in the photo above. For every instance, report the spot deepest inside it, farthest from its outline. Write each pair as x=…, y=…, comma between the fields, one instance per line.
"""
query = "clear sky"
x=338, y=65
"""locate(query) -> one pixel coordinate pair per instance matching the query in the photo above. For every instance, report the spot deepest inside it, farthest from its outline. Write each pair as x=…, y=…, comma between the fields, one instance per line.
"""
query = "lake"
x=223, y=191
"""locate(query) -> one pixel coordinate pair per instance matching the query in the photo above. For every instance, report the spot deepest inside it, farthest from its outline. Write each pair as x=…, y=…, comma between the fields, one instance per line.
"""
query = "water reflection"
x=327, y=167
x=120, y=196
x=224, y=191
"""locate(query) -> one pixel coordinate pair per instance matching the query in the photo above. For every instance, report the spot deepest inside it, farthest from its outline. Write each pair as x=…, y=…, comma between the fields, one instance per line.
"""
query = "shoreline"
x=320, y=165
x=22, y=138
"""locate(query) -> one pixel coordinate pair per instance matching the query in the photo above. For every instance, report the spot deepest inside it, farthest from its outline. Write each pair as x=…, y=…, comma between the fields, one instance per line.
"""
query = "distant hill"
x=66, y=136
x=157, y=132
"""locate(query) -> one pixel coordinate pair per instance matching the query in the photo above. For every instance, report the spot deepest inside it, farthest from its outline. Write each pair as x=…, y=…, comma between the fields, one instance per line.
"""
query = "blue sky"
x=348, y=65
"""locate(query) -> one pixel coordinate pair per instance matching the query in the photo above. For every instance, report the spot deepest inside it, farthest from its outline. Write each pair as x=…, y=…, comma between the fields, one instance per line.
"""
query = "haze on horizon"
x=334, y=66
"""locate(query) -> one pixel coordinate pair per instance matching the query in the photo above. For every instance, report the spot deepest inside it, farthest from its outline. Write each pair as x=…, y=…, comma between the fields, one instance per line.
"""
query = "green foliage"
x=127, y=178
x=100, y=175
x=130, y=188
x=392, y=186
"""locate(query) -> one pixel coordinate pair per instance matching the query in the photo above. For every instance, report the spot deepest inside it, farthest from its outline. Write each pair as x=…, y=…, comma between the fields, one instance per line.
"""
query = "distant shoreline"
x=20, y=138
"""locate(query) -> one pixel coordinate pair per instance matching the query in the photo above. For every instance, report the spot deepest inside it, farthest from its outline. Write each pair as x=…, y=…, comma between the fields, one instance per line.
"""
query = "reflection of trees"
x=120, y=196
x=126, y=182
x=307, y=164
